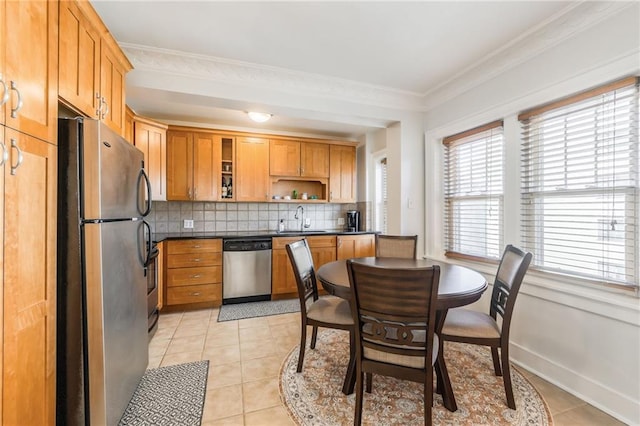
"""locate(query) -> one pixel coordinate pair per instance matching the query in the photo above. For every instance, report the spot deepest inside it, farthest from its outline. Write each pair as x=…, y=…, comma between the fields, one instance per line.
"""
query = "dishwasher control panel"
x=246, y=245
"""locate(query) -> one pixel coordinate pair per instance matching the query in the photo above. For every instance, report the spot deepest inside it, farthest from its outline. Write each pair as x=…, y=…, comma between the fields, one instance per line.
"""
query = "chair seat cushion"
x=330, y=309
x=404, y=360
x=468, y=323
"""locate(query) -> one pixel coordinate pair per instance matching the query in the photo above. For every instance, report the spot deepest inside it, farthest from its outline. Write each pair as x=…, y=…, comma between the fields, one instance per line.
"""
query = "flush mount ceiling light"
x=259, y=117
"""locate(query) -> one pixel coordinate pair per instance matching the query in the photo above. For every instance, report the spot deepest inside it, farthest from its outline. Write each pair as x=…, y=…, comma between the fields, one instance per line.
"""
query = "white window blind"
x=474, y=192
x=580, y=184
x=381, y=196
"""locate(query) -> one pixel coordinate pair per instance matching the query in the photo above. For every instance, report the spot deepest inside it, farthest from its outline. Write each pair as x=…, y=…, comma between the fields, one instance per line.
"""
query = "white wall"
x=582, y=337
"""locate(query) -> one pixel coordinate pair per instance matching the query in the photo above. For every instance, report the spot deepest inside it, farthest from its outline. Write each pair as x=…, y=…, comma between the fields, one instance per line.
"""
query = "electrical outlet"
x=341, y=221
x=188, y=224
x=410, y=203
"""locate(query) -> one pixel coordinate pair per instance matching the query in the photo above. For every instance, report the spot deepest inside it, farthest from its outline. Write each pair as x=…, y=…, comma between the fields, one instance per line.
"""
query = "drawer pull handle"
x=195, y=293
x=196, y=276
x=197, y=259
x=196, y=246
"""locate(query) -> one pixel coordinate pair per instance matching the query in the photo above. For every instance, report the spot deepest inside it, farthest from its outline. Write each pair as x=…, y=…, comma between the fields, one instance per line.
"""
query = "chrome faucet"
x=298, y=210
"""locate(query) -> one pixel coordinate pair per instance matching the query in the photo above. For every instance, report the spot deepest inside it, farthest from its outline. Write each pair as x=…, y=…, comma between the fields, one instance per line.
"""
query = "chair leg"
x=369, y=382
x=496, y=361
x=506, y=375
x=428, y=399
x=303, y=343
x=357, y=417
x=314, y=335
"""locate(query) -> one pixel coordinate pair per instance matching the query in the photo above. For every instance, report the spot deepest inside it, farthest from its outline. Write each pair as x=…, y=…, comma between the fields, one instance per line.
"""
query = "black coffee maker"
x=353, y=220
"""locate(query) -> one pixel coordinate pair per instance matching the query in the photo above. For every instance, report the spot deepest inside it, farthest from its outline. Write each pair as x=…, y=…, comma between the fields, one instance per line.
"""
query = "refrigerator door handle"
x=147, y=251
x=143, y=175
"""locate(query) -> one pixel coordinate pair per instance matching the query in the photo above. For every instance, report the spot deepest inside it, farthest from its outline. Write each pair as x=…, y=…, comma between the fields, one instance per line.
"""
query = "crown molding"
x=573, y=20
x=175, y=63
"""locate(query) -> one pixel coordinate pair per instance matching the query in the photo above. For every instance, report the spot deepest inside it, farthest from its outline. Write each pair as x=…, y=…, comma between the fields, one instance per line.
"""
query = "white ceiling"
x=404, y=49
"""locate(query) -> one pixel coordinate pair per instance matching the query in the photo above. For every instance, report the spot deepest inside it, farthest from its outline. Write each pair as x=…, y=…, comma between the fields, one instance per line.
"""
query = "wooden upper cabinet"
x=79, y=78
x=29, y=305
x=342, y=175
x=252, y=169
x=4, y=89
x=194, y=162
x=314, y=159
x=128, y=124
x=151, y=138
x=179, y=165
x=92, y=66
x=207, y=166
x=30, y=68
x=112, y=88
x=284, y=158
x=298, y=159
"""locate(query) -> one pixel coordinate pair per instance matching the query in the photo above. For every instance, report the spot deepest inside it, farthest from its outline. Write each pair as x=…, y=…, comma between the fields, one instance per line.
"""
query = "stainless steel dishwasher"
x=246, y=270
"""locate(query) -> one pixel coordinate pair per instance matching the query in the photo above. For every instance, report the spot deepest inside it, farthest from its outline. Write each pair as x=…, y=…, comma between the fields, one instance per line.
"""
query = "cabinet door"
x=179, y=165
x=342, y=176
x=79, y=60
x=322, y=255
x=282, y=278
x=252, y=170
x=112, y=89
x=29, y=287
x=349, y=246
x=31, y=67
x=160, y=262
x=207, y=162
x=4, y=83
x=314, y=160
x=151, y=140
x=128, y=124
x=284, y=158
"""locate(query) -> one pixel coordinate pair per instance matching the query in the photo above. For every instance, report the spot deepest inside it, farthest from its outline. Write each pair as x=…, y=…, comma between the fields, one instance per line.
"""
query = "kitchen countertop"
x=157, y=237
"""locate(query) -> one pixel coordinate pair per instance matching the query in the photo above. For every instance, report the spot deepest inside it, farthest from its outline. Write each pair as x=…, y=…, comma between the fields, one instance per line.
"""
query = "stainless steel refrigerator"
x=103, y=243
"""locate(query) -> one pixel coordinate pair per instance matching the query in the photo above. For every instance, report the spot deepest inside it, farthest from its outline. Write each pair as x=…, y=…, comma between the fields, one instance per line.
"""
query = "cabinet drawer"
x=194, y=246
x=281, y=242
x=188, y=260
x=193, y=276
x=194, y=294
x=322, y=241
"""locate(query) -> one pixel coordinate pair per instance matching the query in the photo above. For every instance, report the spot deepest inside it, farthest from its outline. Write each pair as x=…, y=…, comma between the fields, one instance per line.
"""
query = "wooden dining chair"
x=403, y=246
x=330, y=311
x=477, y=328
x=394, y=315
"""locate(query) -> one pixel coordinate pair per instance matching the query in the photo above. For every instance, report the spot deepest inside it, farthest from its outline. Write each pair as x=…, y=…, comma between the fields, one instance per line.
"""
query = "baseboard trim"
x=609, y=400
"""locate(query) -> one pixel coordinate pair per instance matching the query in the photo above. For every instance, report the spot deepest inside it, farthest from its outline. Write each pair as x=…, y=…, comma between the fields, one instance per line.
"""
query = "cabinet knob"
x=14, y=111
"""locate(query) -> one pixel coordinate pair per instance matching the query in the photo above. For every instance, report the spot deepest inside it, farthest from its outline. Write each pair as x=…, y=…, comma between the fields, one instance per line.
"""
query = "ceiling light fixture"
x=259, y=117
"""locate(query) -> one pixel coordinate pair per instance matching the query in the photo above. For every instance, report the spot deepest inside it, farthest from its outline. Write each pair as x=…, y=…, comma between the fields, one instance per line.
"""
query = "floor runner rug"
x=314, y=397
x=257, y=309
x=172, y=395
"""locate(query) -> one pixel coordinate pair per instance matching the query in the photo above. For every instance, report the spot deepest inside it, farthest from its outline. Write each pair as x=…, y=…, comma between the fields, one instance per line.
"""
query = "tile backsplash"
x=169, y=216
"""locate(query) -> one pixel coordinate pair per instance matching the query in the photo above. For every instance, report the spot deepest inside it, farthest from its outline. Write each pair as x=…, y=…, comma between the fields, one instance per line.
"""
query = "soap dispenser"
x=281, y=226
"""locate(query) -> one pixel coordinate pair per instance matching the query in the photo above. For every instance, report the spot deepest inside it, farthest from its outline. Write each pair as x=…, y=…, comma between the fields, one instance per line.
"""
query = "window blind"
x=580, y=184
x=473, y=196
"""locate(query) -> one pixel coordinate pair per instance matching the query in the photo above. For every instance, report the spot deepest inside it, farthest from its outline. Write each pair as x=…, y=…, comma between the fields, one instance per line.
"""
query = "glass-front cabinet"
x=227, y=169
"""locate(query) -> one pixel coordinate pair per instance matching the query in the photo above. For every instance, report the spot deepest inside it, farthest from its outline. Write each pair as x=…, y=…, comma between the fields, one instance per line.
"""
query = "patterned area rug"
x=172, y=395
x=314, y=397
x=257, y=309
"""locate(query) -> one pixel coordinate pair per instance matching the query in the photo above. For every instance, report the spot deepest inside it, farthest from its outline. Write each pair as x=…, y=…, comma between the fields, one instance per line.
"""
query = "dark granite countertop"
x=157, y=237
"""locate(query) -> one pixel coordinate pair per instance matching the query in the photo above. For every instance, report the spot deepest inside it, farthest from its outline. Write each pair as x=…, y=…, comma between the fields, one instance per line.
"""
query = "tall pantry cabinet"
x=28, y=162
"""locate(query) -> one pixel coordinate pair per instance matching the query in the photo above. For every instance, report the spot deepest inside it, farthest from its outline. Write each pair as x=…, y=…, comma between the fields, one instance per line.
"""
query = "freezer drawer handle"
x=14, y=144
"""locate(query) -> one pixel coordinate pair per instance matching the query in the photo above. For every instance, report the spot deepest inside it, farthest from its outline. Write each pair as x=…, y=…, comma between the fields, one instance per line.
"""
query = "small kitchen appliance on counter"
x=353, y=221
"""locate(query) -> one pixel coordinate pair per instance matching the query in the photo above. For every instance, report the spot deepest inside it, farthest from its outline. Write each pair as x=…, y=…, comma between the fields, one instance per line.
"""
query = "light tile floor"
x=244, y=362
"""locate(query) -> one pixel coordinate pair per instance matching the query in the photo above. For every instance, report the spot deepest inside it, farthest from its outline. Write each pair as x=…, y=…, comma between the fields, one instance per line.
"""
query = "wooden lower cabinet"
x=323, y=250
x=193, y=274
x=28, y=299
x=349, y=246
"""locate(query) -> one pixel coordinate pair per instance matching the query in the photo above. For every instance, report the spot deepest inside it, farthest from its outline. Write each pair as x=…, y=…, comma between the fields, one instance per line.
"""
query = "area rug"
x=172, y=395
x=257, y=309
x=314, y=397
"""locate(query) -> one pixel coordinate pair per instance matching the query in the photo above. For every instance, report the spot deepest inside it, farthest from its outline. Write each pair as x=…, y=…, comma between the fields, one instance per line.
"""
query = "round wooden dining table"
x=458, y=286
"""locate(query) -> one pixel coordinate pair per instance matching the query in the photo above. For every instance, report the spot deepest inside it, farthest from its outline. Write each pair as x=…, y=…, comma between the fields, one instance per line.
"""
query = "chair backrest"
x=402, y=246
x=513, y=266
x=394, y=310
x=304, y=272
